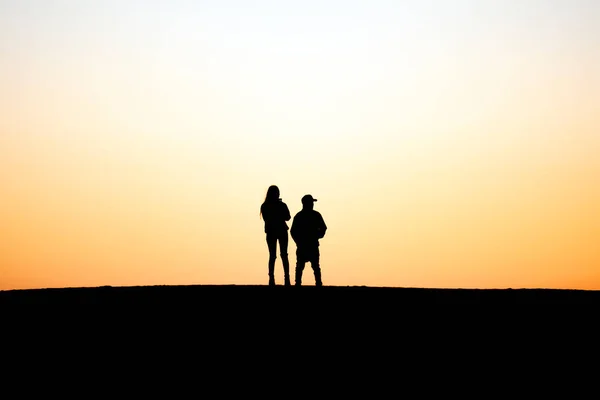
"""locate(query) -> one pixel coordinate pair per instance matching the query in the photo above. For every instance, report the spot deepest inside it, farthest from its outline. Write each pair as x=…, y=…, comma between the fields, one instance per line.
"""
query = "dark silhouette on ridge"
x=308, y=227
x=275, y=213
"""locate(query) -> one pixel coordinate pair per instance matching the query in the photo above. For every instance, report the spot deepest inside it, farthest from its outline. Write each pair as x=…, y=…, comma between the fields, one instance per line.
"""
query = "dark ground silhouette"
x=246, y=297
x=225, y=335
x=349, y=311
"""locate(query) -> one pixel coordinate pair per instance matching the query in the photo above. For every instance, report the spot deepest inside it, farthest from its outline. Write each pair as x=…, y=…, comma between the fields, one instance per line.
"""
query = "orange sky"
x=453, y=146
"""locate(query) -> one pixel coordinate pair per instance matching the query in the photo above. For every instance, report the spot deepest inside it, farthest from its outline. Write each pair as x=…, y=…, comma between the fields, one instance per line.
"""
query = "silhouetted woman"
x=275, y=213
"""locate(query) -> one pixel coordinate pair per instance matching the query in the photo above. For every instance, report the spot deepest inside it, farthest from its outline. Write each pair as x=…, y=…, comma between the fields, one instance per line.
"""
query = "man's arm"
x=294, y=230
x=322, y=226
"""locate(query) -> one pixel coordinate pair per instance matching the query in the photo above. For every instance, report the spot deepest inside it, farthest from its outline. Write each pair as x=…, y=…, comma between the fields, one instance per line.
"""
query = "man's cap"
x=307, y=199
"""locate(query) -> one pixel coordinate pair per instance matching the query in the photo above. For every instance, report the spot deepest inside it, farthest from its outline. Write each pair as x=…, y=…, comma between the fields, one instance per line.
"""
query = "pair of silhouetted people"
x=307, y=228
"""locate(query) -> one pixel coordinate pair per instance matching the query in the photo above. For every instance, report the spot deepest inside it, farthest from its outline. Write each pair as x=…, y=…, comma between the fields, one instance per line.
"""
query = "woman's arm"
x=286, y=215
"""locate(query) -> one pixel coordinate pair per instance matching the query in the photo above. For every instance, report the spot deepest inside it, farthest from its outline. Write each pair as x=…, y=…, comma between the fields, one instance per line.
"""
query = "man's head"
x=308, y=202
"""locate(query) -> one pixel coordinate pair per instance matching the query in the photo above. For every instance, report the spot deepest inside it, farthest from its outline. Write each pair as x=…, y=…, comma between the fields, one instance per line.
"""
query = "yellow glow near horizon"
x=448, y=147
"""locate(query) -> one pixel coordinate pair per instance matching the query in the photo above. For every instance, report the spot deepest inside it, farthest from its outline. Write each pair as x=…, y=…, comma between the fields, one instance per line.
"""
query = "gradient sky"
x=450, y=143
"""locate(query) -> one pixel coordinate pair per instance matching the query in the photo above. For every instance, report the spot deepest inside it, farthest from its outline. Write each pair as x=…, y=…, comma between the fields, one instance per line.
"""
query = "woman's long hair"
x=272, y=195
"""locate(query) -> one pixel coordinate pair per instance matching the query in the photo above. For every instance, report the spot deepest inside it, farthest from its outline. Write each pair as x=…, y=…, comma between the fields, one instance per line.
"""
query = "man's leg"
x=300, y=262
x=314, y=263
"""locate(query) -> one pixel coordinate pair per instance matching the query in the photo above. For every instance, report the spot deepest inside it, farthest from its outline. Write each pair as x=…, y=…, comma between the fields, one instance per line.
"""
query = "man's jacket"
x=307, y=228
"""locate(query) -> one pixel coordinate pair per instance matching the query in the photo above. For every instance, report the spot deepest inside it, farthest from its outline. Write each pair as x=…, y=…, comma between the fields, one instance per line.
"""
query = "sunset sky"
x=450, y=143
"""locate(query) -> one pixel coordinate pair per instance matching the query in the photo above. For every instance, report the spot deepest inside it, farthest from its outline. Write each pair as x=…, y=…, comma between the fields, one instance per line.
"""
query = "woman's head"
x=272, y=193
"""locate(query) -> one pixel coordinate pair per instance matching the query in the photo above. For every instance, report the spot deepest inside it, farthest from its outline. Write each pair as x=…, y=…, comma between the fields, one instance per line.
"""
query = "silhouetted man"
x=307, y=228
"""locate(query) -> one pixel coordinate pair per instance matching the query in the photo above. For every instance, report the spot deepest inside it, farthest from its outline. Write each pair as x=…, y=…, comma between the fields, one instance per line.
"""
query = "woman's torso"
x=275, y=215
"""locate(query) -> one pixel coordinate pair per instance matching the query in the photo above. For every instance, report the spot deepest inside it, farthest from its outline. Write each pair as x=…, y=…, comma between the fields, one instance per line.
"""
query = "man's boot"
x=318, y=278
x=298, y=277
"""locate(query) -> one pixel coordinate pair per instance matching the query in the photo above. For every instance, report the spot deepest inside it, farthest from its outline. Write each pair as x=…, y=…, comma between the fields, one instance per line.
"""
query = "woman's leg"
x=283, y=251
x=272, y=245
